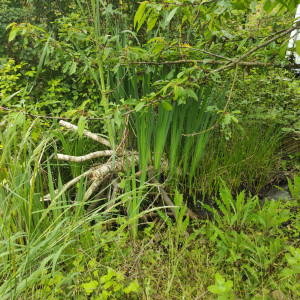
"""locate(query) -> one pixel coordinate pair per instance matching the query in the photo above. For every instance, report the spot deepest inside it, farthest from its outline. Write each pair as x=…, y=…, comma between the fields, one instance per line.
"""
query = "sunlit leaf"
x=139, y=14
x=171, y=15
x=81, y=125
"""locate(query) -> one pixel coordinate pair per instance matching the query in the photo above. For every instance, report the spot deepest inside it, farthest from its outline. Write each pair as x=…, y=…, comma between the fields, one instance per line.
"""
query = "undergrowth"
x=246, y=249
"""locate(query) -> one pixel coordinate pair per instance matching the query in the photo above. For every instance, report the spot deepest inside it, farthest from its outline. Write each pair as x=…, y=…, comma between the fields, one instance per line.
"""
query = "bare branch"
x=69, y=184
x=104, y=170
x=98, y=173
x=85, y=157
x=87, y=133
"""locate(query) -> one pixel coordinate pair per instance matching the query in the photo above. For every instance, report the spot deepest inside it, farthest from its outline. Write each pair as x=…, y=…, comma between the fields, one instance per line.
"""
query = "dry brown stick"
x=87, y=133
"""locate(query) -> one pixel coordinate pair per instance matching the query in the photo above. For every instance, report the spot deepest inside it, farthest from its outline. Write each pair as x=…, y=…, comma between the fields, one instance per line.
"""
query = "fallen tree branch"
x=85, y=157
x=104, y=170
x=87, y=133
x=69, y=184
x=98, y=173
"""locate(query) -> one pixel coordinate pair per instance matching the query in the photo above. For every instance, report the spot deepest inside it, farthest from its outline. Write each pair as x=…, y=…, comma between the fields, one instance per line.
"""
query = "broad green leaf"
x=10, y=25
x=81, y=125
x=90, y=286
x=242, y=43
x=42, y=58
x=292, y=5
x=219, y=279
x=118, y=287
x=139, y=14
x=298, y=47
x=139, y=106
x=167, y=105
x=210, y=26
x=181, y=92
x=158, y=47
x=171, y=15
x=228, y=284
x=133, y=287
x=217, y=289
x=73, y=68
x=268, y=6
x=282, y=50
x=141, y=22
x=122, y=184
x=118, y=118
x=151, y=23
x=234, y=119
x=106, y=52
x=192, y=94
x=66, y=67
x=13, y=33
x=286, y=272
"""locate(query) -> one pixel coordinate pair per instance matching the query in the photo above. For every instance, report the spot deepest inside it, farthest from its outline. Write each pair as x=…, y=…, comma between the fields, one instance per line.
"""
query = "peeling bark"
x=85, y=157
x=87, y=133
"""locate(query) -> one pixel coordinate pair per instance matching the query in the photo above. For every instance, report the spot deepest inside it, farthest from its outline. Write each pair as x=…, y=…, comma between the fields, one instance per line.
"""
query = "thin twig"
x=198, y=133
x=231, y=90
x=204, y=51
x=239, y=60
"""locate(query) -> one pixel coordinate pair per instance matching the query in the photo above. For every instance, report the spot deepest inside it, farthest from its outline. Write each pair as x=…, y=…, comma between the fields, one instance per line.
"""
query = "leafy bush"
x=8, y=15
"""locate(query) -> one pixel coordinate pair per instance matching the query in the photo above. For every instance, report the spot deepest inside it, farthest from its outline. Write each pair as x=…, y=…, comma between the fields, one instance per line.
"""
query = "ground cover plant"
x=138, y=141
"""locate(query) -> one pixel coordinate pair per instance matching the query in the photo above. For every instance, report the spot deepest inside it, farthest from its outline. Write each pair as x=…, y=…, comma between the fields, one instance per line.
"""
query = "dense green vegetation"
x=139, y=146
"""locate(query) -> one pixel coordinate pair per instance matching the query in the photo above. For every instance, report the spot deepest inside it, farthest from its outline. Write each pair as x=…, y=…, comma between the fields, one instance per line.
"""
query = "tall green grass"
x=40, y=239
x=247, y=161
